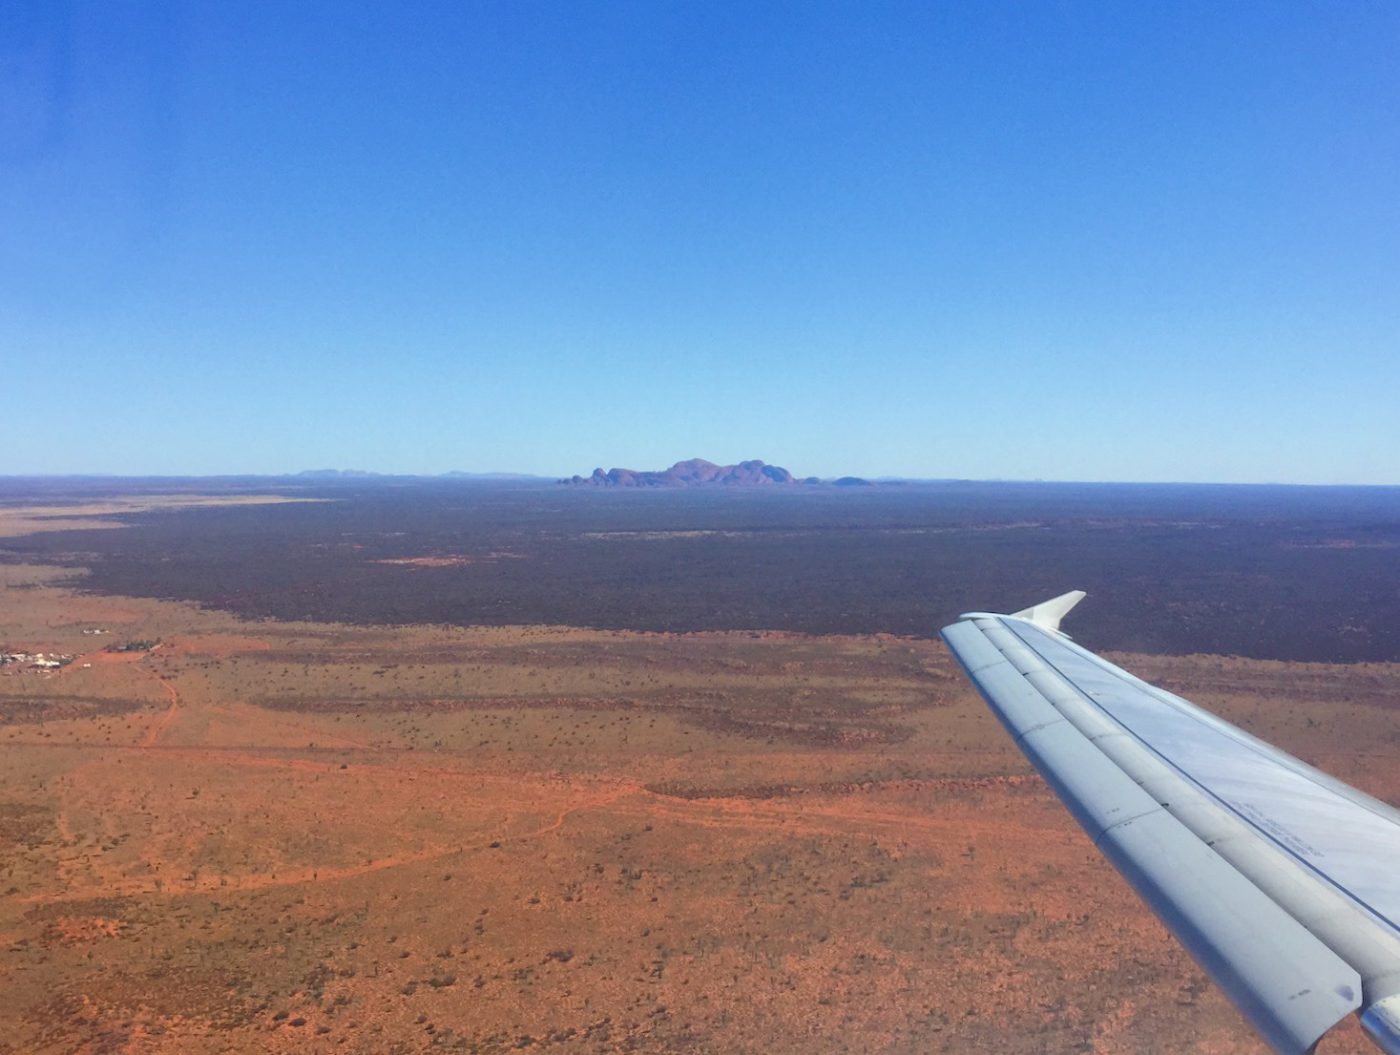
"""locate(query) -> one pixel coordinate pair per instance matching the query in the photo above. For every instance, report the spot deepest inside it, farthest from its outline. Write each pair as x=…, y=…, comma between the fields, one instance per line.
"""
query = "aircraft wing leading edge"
x=1281, y=881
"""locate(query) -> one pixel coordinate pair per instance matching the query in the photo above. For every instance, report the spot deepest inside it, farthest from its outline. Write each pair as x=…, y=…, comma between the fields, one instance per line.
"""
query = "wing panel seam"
x=1345, y=891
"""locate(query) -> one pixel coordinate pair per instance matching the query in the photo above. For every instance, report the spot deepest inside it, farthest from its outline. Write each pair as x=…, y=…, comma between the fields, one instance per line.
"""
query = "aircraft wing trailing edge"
x=1281, y=881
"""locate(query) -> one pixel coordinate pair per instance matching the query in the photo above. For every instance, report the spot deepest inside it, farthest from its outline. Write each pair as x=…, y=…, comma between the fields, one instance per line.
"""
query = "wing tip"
x=1048, y=614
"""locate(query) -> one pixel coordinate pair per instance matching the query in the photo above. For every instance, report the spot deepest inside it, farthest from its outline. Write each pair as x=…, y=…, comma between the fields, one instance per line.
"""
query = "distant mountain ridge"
x=697, y=472
x=694, y=472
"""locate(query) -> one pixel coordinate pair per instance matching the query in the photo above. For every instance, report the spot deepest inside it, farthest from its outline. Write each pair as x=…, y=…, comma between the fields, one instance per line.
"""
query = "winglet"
x=1049, y=613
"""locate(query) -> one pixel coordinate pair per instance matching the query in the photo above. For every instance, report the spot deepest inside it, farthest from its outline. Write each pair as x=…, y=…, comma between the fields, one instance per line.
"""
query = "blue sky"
x=1108, y=241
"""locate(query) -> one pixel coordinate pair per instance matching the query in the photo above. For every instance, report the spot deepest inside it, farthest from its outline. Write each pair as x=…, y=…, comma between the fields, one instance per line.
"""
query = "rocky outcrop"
x=693, y=473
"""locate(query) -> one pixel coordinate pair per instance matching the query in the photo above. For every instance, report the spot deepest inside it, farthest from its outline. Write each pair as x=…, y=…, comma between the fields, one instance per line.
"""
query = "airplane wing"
x=1282, y=882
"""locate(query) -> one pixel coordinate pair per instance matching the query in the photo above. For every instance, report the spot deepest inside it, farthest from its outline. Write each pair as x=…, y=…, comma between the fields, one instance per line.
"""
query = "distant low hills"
x=697, y=472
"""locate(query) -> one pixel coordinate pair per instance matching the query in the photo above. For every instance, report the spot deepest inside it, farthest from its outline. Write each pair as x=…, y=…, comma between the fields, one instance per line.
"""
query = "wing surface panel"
x=1283, y=882
x=1352, y=846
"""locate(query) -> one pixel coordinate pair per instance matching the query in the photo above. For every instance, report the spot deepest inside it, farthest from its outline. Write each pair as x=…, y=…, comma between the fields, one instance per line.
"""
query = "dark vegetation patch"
x=831, y=720
x=1269, y=572
x=436, y=704
x=830, y=733
x=677, y=789
x=406, y=657
x=23, y=824
x=26, y=710
x=121, y=908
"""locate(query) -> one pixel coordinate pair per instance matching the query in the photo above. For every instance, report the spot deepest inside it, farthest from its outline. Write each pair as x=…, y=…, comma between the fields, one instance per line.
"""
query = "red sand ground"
x=298, y=837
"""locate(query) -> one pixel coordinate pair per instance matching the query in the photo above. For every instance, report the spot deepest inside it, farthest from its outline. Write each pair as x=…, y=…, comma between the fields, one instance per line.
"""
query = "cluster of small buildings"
x=34, y=660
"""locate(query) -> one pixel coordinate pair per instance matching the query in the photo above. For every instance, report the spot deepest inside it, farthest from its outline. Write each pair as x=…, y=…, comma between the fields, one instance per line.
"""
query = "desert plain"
x=267, y=835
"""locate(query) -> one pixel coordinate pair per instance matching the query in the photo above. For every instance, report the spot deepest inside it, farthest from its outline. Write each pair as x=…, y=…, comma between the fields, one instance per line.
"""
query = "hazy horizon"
x=506, y=476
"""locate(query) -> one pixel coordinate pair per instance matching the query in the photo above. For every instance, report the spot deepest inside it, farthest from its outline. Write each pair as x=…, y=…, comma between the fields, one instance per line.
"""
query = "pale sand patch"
x=32, y=519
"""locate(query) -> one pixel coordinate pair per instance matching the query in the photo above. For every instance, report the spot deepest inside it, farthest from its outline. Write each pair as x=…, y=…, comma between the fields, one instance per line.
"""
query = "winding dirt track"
x=614, y=798
x=159, y=728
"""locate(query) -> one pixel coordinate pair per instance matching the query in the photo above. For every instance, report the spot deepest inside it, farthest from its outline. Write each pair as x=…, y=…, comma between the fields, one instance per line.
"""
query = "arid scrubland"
x=271, y=836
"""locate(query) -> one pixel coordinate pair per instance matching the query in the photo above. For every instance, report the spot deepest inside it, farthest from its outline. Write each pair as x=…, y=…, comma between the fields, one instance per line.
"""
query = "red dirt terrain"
x=272, y=837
